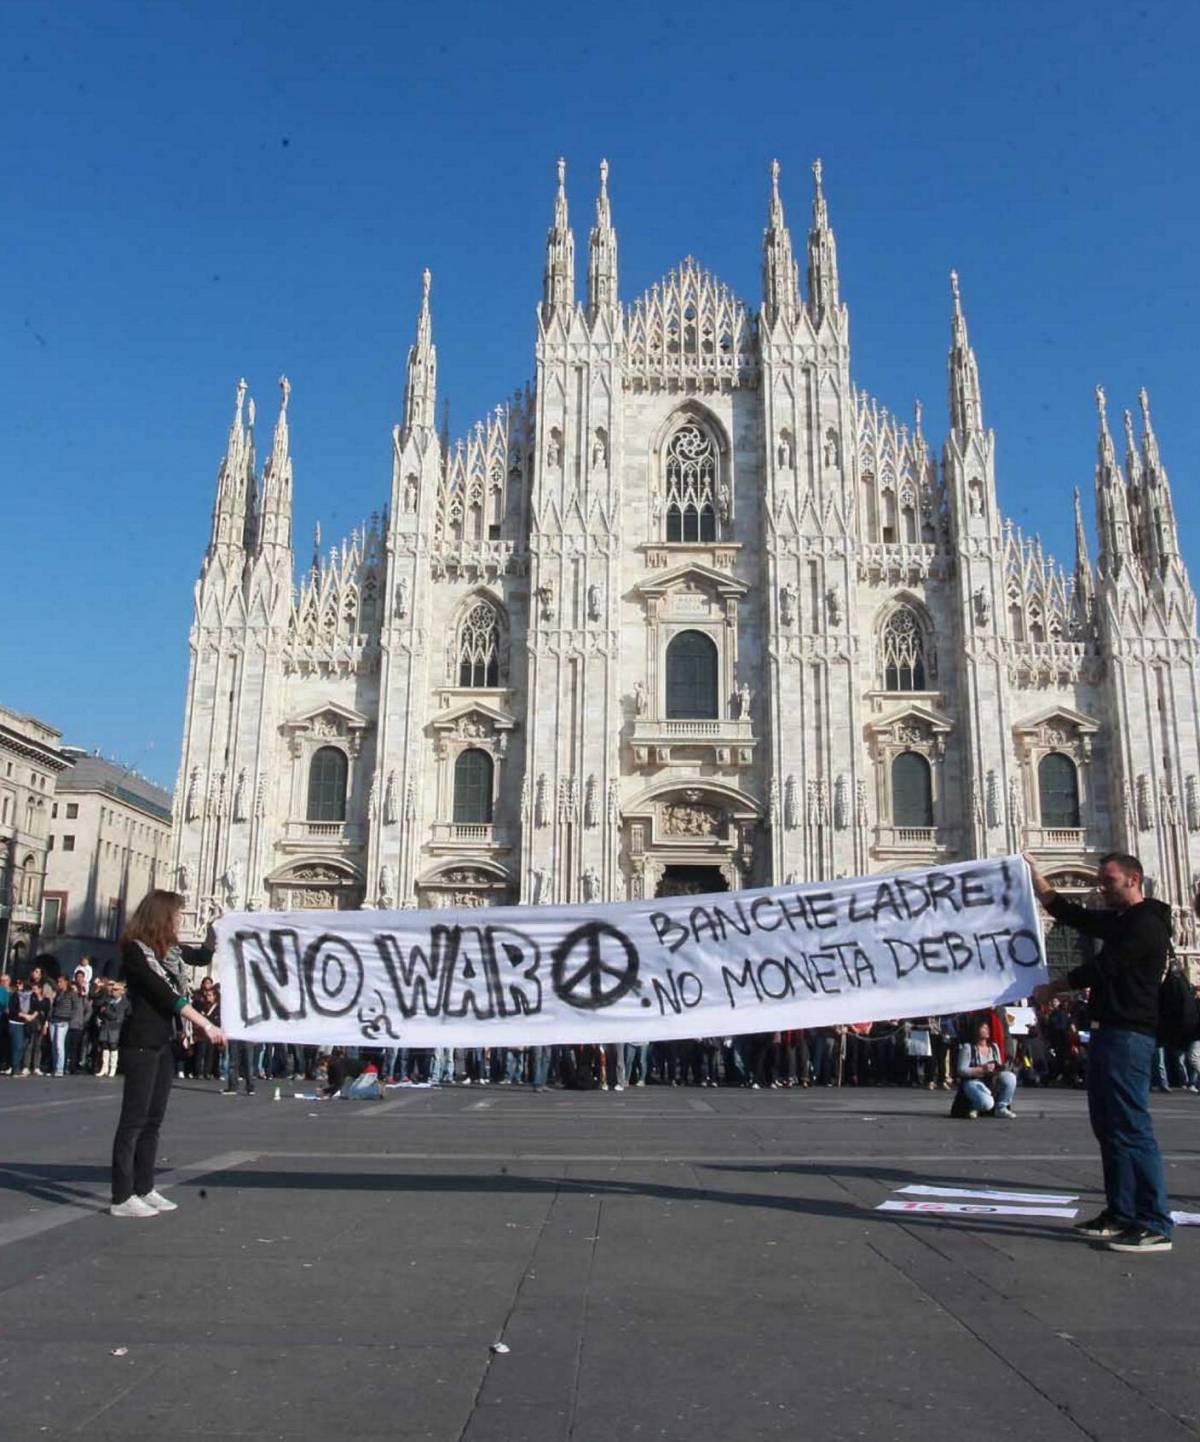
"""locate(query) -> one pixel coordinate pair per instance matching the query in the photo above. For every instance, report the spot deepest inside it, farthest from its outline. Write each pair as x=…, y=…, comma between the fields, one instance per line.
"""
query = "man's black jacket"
x=1126, y=973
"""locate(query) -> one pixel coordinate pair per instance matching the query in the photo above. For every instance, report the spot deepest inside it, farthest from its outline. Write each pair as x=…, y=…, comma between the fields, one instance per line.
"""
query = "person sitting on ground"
x=984, y=1081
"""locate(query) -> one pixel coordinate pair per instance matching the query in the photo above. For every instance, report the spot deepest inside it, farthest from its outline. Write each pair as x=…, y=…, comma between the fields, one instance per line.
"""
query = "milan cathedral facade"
x=690, y=612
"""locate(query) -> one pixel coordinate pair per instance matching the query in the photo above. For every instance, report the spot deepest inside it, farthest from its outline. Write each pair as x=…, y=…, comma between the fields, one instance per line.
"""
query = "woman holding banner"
x=157, y=990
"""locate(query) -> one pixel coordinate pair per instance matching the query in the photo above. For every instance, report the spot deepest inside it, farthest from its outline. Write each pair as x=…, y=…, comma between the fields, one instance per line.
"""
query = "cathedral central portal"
x=690, y=881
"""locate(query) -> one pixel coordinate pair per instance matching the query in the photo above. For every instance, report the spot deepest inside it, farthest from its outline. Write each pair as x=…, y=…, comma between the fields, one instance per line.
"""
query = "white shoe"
x=134, y=1207
x=159, y=1202
x=618, y=1088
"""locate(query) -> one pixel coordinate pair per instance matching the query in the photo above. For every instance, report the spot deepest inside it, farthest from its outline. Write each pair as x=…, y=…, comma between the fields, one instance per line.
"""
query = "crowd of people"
x=56, y=1027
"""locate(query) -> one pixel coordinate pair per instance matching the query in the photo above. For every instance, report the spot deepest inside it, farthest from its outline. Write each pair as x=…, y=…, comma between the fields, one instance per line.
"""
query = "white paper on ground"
x=975, y=1209
x=1186, y=1219
x=989, y=1194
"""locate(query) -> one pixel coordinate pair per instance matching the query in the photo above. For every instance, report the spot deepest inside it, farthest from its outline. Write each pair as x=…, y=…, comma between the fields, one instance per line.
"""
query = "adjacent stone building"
x=110, y=843
x=690, y=611
x=30, y=760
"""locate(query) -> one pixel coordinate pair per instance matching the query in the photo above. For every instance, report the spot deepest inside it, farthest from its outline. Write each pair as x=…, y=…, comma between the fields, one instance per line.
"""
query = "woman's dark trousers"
x=149, y=1073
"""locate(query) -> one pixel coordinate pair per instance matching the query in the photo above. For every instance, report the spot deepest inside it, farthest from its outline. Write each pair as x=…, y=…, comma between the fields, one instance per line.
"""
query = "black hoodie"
x=1126, y=973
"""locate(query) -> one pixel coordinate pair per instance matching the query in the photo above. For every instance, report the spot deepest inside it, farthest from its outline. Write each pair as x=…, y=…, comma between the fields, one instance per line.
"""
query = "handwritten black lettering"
x=333, y=975
x=268, y=975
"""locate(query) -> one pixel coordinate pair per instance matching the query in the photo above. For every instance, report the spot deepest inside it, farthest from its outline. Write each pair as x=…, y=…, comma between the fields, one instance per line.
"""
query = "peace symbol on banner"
x=594, y=966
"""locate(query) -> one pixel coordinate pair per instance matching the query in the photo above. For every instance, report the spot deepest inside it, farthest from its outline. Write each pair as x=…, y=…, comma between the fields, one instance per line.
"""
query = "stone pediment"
x=329, y=721
x=332, y=711
x=1061, y=718
x=928, y=716
x=1057, y=728
x=696, y=577
x=914, y=725
x=473, y=718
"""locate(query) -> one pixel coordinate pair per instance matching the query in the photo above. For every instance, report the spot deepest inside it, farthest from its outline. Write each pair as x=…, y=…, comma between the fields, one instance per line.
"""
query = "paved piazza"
x=659, y=1264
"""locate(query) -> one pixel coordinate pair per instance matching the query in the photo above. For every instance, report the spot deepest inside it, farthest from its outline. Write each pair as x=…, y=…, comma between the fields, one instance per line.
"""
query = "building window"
x=903, y=651
x=479, y=647
x=692, y=678
x=72, y=810
x=691, y=485
x=327, y=785
x=473, y=788
x=54, y=812
x=113, y=920
x=68, y=843
x=912, y=790
x=52, y=916
x=29, y=891
x=1058, y=791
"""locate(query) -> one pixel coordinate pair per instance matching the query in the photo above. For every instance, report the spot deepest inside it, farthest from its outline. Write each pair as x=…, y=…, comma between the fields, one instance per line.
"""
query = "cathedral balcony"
x=915, y=842
x=1056, y=838
x=458, y=836
x=309, y=834
x=725, y=742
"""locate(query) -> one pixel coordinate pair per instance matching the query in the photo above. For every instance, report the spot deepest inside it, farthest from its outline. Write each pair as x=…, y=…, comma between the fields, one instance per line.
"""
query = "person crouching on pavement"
x=1124, y=977
x=985, y=1083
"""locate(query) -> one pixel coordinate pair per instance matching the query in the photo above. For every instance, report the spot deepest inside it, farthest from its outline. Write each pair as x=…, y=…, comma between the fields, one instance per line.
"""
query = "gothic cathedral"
x=691, y=612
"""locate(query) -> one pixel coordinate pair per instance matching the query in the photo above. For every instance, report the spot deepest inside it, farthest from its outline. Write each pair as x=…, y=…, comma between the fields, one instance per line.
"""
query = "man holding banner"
x=1124, y=977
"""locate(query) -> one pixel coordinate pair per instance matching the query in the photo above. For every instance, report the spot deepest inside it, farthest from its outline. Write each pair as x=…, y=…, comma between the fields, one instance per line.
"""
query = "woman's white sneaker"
x=134, y=1207
x=159, y=1202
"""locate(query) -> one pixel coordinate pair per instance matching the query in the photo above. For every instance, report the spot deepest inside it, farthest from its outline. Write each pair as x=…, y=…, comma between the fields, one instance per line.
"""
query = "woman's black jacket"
x=153, y=1002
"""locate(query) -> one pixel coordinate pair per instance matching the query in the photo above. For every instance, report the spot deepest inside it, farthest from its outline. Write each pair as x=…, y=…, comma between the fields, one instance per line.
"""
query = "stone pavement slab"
x=661, y=1263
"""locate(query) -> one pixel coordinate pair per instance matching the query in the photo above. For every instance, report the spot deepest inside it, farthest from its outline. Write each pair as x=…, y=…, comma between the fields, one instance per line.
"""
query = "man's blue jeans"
x=58, y=1042
x=1119, y=1067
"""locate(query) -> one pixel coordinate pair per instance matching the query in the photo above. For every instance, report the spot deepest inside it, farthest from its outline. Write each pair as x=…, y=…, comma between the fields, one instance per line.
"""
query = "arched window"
x=692, y=678
x=473, y=788
x=903, y=651
x=1058, y=791
x=479, y=647
x=327, y=785
x=912, y=790
x=691, y=485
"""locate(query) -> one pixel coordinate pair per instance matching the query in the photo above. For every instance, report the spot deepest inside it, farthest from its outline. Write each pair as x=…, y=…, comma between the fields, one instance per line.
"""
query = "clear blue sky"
x=195, y=192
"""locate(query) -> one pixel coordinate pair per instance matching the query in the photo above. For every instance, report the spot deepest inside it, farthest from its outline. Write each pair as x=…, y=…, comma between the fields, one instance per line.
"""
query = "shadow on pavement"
x=59, y=1184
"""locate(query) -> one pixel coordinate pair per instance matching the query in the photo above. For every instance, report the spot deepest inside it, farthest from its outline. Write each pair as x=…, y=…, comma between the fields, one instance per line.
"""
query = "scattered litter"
x=307, y=1096
x=976, y=1209
x=868, y=1119
x=1066, y=1336
x=990, y=1194
x=269, y=1240
x=120, y=1351
x=1186, y=1219
x=499, y=1347
x=278, y=1095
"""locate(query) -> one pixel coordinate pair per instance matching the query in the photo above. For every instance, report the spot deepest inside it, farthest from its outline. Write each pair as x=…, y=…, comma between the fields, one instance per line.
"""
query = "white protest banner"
x=989, y=1194
x=955, y=938
x=974, y=1209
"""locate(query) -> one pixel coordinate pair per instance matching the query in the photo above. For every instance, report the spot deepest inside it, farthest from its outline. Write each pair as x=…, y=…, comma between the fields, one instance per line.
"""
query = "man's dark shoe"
x=1139, y=1239
x=1100, y=1228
